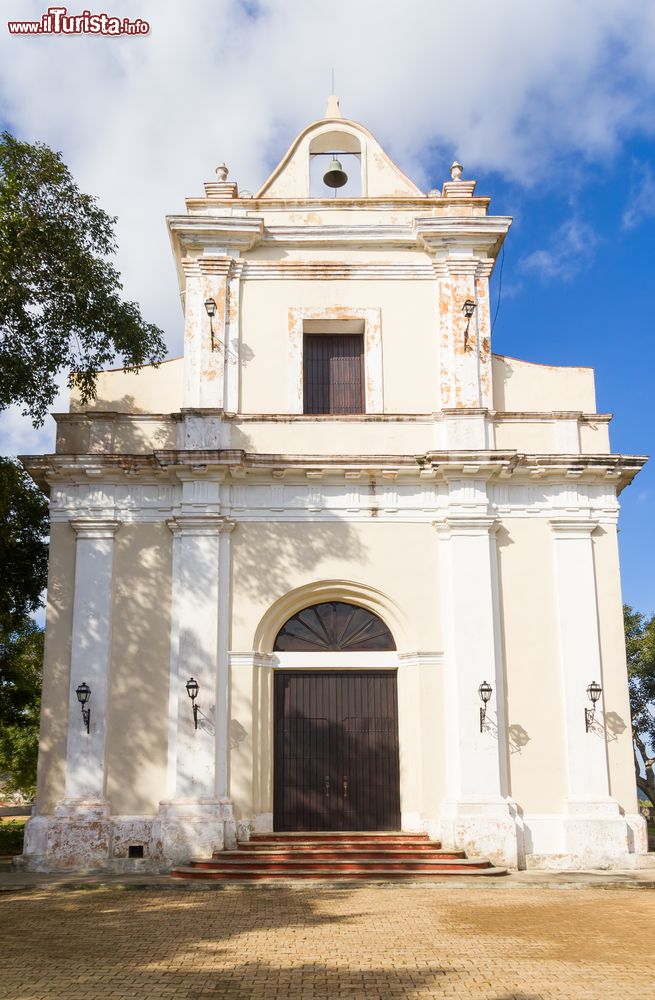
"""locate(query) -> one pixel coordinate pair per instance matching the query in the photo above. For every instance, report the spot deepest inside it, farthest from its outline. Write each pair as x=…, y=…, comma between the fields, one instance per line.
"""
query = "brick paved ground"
x=373, y=942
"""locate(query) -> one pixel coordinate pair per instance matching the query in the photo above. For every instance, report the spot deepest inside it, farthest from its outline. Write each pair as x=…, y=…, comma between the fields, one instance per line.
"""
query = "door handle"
x=327, y=784
x=345, y=787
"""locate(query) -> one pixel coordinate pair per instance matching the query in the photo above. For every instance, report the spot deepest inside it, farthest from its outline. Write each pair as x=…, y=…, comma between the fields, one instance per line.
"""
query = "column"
x=79, y=833
x=196, y=817
x=477, y=814
x=594, y=831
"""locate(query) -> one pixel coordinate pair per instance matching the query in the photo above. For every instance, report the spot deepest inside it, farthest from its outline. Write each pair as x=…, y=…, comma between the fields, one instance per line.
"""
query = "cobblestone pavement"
x=305, y=942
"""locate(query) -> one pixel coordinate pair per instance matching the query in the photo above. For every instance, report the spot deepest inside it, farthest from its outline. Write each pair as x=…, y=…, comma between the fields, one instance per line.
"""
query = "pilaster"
x=79, y=833
x=196, y=816
x=464, y=342
x=595, y=832
x=205, y=337
x=477, y=813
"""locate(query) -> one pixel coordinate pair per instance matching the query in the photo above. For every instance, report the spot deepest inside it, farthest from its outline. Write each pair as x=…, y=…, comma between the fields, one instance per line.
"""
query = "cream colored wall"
x=613, y=658
x=137, y=729
x=543, y=436
x=152, y=390
x=523, y=386
x=400, y=560
x=320, y=436
x=268, y=561
x=55, y=703
x=408, y=315
x=537, y=756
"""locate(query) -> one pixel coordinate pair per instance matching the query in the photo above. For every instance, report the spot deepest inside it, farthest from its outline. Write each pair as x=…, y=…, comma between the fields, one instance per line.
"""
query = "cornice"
x=178, y=465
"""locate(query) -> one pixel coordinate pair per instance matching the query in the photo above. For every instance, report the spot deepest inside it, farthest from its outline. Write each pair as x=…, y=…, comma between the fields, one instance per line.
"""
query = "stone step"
x=347, y=846
x=229, y=873
x=281, y=853
x=337, y=864
x=339, y=837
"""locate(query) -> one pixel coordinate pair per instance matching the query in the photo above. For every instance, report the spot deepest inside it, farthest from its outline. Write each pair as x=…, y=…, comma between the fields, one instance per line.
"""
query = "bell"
x=335, y=176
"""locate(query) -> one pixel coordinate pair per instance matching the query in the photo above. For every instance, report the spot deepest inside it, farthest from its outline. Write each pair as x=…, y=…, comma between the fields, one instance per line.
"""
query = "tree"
x=21, y=664
x=60, y=302
x=640, y=648
x=23, y=545
x=24, y=561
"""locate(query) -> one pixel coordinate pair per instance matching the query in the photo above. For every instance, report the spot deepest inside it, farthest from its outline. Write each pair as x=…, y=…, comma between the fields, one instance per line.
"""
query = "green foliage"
x=11, y=837
x=60, y=301
x=21, y=664
x=24, y=561
x=23, y=546
x=640, y=649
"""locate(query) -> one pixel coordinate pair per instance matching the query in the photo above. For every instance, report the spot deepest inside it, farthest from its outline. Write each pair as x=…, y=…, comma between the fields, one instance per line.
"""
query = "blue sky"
x=549, y=105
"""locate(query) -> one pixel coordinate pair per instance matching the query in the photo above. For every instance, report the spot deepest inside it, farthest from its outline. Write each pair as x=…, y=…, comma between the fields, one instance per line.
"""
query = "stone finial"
x=456, y=171
x=333, y=110
x=222, y=172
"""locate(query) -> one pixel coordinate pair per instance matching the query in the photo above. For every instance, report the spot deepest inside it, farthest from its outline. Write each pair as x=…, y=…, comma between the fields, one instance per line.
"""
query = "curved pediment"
x=378, y=176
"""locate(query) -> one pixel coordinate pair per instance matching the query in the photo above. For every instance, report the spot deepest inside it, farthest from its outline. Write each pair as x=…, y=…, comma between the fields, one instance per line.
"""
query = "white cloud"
x=570, y=250
x=525, y=88
x=641, y=199
x=19, y=436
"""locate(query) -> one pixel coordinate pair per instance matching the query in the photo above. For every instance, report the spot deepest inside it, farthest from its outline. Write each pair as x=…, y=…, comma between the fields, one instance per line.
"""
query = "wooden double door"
x=336, y=750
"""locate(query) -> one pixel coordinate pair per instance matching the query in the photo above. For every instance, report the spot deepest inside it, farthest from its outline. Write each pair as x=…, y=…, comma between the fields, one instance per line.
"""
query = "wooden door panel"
x=336, y=751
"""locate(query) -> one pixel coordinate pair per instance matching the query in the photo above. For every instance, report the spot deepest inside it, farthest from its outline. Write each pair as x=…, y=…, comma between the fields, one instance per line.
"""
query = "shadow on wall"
x=274, y=558
x=139, y=678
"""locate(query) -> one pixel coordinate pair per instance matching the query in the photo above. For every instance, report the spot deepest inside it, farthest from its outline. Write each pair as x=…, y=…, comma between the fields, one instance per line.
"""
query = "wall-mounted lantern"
x=468, y=309
x=594, y=692
x=210, y=308
x=192, y=688
x=83, y=692
x=484, y=691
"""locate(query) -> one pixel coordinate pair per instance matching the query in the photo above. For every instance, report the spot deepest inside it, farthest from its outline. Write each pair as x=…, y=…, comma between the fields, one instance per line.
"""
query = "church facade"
x=340, y=566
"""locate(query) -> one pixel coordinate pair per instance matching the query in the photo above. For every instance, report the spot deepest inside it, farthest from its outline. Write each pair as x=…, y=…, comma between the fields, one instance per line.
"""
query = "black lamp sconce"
x=468, y=309
x=83, y=692
x=484, y=691
x=192, y=688
x=210, y=308
x=594, y=692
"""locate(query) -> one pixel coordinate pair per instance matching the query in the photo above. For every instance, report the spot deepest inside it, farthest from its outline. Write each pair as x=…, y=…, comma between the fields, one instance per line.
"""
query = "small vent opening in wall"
x=135, y=851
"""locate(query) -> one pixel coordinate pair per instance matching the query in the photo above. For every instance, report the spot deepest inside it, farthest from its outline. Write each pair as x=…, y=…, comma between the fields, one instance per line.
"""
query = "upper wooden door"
x=333, y=373
x=336, y=751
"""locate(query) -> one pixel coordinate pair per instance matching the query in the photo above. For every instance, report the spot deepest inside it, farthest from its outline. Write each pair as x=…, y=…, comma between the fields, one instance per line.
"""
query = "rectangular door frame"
x=375, y=808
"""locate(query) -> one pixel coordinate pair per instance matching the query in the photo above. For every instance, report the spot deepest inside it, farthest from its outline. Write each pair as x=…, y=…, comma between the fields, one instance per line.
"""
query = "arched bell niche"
x=337, y=144
x=334, y=626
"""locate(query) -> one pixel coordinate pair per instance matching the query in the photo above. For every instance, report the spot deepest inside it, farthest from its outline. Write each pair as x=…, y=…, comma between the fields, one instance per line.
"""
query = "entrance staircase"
x=378, y=856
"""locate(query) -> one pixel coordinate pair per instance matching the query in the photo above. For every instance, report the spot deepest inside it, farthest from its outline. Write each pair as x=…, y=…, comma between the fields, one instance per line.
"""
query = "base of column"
x=483, y=827
x=76, y=837
x=589, y=834
x=194, y=828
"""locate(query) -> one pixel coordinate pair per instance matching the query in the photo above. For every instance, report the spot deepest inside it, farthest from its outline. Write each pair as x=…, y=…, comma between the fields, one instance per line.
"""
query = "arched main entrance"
x=336, y=759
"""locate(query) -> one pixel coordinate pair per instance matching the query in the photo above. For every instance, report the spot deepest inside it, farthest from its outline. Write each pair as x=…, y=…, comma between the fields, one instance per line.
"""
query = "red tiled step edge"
x=346, y=866
x=392, y=835
x=378, y=874
x=324, y=854
x=328, y=855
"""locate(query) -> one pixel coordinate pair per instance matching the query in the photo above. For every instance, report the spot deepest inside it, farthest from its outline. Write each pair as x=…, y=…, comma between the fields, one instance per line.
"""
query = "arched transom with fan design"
x=334, y=626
